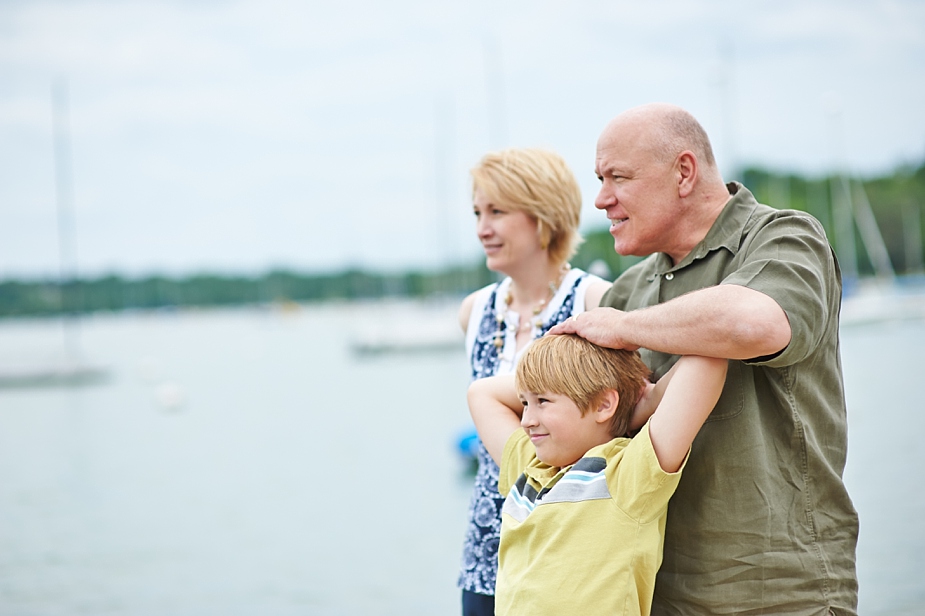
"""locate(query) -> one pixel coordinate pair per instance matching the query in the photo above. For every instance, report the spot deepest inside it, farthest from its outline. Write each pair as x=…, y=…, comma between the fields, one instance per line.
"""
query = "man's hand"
x=601, y=326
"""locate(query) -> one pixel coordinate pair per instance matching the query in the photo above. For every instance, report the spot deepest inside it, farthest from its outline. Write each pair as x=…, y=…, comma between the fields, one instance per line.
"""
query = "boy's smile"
x=558, y=430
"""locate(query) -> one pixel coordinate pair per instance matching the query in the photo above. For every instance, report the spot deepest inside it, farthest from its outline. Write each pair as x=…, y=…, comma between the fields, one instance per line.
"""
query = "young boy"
x=583, y=522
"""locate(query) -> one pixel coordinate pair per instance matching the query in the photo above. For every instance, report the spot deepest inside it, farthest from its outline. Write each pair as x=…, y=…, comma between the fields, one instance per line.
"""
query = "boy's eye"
x=542, y=400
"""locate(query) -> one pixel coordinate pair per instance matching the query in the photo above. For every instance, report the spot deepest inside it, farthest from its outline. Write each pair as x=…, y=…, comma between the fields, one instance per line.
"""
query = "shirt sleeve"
x=639, y=486
x=518, y=453
x=789, y=259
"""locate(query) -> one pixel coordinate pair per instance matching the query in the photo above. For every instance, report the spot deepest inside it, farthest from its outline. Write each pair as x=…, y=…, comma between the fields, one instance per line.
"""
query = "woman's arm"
x=465, y=311
x=595, y=292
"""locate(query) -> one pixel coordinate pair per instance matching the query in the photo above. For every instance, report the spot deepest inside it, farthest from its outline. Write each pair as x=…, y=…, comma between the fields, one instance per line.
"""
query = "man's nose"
x=604, y=198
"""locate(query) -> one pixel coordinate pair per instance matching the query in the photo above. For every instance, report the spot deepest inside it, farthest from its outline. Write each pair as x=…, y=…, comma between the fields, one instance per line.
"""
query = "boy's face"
x=558, y=430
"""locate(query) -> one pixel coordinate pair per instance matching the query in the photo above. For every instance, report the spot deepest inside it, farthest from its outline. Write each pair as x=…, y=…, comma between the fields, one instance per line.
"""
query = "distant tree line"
x=116, y=293
x=896, y=202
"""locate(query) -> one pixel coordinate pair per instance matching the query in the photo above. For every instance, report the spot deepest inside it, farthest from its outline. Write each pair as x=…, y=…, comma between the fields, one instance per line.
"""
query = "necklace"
x=535, y=323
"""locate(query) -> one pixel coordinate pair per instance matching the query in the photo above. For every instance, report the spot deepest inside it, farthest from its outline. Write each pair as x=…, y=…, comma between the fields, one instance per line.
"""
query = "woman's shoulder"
x=593, y=287
x=475, y=300
x=595, y=291
x=465, y=310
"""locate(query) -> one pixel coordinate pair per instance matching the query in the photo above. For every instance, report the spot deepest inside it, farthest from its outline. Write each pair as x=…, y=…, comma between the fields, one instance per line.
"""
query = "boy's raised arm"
x=691, y=394
x=649, y=400
x=496, y=410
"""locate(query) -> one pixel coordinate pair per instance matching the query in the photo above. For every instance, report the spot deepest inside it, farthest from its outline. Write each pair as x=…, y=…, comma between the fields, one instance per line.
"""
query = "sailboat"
x=885, y=296
x=430, y=326
x=71, y=369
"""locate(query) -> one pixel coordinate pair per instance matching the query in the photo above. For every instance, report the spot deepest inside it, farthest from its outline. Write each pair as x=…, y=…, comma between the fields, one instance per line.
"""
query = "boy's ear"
x=607, y=405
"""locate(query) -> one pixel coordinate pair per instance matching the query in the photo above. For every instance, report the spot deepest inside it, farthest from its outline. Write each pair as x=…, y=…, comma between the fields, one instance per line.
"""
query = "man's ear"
x=606, y=406
x=687, y=173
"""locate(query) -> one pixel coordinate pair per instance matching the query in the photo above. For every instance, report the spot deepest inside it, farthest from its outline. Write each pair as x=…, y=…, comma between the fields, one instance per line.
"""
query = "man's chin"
x=621, y=249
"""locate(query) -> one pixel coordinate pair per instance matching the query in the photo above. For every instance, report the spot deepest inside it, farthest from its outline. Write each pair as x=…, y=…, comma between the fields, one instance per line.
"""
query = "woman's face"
x=509, y=237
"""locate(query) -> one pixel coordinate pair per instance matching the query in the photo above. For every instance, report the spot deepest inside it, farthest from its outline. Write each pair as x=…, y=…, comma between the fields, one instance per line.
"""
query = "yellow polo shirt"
x=585, y=539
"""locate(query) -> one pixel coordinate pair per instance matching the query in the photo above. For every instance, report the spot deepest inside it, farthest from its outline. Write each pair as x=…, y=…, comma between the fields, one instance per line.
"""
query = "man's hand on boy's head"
x=600, y=325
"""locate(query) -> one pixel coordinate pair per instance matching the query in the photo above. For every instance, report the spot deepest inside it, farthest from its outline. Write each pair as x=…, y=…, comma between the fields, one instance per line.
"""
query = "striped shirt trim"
x=585, y=481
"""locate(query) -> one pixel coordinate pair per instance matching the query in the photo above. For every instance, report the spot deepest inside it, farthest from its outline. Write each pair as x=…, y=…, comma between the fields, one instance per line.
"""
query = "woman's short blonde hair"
x=582, y=371
x=541, y=184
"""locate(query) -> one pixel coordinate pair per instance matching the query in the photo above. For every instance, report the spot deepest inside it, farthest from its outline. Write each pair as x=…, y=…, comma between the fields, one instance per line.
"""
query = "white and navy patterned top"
x=480, y=551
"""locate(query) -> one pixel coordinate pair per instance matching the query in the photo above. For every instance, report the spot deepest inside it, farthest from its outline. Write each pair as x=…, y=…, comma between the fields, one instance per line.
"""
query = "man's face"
x=638, y=192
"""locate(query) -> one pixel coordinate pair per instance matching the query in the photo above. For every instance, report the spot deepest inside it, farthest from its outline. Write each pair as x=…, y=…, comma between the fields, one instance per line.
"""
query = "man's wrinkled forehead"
x=604, y=159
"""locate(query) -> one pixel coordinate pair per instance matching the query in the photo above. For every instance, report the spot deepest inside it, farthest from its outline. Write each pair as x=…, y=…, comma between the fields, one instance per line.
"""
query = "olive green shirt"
x=761, y=522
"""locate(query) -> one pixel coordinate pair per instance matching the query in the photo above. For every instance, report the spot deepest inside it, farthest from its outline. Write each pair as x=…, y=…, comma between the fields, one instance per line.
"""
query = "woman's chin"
x=494, y=263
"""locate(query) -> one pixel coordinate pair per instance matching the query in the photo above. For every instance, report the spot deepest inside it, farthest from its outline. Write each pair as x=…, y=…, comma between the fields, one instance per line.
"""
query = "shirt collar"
x=542, y=473
x=547, y=476
x=726, y=231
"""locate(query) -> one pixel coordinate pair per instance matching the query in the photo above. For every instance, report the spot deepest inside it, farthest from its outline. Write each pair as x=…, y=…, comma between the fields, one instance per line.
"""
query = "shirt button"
x=669, y=276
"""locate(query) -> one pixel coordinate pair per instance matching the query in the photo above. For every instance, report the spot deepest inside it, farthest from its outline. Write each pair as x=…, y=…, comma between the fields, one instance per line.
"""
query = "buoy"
x=170, y=396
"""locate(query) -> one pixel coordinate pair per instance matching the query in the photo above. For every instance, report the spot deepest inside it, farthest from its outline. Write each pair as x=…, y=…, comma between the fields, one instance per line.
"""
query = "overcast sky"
x=242, y=136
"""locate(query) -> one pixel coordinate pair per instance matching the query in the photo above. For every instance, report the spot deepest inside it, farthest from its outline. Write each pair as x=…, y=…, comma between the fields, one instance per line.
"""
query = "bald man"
x=761, y=522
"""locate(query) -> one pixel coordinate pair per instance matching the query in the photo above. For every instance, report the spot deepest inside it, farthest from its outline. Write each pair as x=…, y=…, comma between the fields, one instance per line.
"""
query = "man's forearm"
x=727, y=321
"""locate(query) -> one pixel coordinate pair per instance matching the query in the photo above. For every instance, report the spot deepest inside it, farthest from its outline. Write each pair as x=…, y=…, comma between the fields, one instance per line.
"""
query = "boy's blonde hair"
x=539, y=183
x=582, y=371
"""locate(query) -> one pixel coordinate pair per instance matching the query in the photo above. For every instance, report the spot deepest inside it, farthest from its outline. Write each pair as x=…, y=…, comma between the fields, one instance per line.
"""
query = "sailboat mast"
x=842, y=207
x=870, y=234
x=67, y=244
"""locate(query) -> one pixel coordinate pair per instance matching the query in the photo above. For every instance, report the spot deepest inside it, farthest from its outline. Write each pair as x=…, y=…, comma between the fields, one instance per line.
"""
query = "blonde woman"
x=527, y=205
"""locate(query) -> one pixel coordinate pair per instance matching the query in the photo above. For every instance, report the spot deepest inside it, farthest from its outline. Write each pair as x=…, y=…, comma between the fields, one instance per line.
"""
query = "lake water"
x=247, y=462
